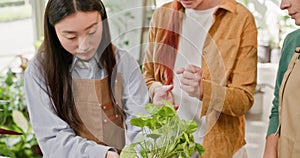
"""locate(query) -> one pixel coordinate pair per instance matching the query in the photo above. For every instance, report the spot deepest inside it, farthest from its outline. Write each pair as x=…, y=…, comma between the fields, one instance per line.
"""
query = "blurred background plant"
x=14, y=115
x=273, y=25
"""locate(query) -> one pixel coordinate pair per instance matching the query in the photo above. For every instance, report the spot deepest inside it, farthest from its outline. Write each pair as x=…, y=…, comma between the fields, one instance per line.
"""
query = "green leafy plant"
x=164, y=135
x=14, y=116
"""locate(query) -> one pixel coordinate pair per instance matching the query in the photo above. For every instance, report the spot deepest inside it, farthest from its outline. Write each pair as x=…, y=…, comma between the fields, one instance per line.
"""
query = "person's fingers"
x=163, y=90
x=186, y=88
x=192, y=68
x=199, y=76
x=180, y=71
x=176, y=106
x=195, y=71
x=168, y=98
x=167, y=88
x=111, y=154
x=189, y=75
x=189, y=82
x=191, y=72
x=163, y=93
x=160, y=103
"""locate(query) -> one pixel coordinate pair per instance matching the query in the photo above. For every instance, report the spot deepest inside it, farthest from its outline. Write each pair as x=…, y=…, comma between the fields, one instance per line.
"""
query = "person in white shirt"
x=80, y=89
x=201, y=57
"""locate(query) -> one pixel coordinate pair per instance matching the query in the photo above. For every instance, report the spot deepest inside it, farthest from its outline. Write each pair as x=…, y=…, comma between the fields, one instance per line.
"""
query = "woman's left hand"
x=112, y=154
x=191, y=81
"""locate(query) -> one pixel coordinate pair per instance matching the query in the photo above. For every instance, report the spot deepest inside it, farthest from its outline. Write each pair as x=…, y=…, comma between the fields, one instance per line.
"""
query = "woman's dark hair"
x=167, y=54
x=56, y=61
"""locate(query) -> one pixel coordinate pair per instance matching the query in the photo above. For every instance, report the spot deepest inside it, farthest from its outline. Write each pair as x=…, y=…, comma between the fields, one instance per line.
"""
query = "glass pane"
x=16, y=30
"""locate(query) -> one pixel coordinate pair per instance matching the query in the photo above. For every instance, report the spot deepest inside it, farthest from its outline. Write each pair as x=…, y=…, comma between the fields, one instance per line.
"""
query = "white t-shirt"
x=195, y=26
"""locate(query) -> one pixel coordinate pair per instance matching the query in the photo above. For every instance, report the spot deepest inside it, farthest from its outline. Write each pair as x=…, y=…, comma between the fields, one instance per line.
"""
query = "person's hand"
x=163, y=93
x=112, y=154
x=271, y=146
x=191, y=81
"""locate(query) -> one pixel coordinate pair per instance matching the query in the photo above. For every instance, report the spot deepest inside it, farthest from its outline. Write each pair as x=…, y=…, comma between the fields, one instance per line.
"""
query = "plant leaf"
x=152, y=108
x=137, y=122
x=128, y=151
x=20, y=120
x=165, y=134
x=190, y=126
x=166, y=111
x=200, y=149
x=153, y=135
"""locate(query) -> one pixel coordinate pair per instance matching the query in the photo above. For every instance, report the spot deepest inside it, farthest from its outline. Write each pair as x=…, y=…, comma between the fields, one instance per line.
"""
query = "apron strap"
x=283, y=83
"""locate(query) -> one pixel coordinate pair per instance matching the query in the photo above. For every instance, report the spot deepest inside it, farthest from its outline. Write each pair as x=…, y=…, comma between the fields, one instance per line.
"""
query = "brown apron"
x=102, y=120
x=289, y=110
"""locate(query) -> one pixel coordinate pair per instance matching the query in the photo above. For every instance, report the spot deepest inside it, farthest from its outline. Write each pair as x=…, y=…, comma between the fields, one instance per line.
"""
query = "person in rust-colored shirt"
x=202, y=57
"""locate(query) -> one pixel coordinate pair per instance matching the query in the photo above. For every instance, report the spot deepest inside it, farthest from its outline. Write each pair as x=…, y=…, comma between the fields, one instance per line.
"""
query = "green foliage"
x=164, y=135
x=14, y=116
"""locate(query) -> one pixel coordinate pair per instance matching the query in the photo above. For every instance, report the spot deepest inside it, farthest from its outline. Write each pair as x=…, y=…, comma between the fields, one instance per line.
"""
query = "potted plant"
x=164, y=134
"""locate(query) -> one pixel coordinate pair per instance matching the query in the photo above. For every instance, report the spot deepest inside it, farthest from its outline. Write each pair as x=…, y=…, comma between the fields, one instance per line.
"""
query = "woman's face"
x=293, y=7
x=80, y=33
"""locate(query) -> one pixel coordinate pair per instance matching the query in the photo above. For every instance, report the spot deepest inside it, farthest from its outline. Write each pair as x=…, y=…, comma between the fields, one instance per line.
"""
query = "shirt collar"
x=94, y=59
x=229, y=5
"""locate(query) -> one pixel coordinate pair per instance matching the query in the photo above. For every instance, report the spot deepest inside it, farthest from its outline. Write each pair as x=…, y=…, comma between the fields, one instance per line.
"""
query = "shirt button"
x=104, y=107
x=105, y=120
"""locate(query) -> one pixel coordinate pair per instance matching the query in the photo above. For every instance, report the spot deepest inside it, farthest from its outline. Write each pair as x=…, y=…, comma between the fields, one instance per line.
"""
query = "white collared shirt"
x=195, y=26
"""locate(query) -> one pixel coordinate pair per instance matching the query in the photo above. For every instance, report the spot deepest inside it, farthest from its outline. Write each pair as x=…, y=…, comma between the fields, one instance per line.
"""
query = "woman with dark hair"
x=81, y=90
x=202, y=57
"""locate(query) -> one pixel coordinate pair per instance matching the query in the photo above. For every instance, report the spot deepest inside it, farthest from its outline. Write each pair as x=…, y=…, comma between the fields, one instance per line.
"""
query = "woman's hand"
x=271, y=148
x=191, y=81
x=112, y=154
x=164, y=93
